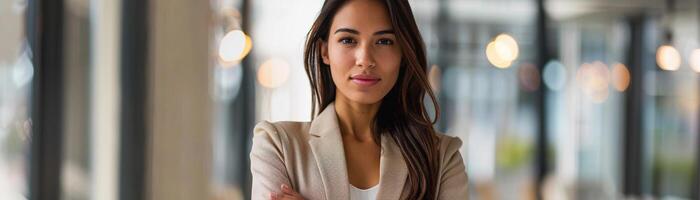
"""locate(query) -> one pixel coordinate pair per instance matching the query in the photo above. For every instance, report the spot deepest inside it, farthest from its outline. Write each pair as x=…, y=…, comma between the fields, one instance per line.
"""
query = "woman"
x=373, y=138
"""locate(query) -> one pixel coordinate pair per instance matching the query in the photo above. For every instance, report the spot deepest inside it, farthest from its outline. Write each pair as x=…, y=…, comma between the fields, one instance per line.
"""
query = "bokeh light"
x=694, y=60
x=273, y=73
x=668, y=58
x=594, y=80
x=506, y=47
x=529, y=77
x=234, y=46
x=554, y=75
x=493, y=58
x=620, y=77
x=502, y=51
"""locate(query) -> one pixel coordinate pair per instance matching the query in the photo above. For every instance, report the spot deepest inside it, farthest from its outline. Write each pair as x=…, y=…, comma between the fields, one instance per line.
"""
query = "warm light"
x=694, y=60
x=234, y=46
x=594, y=80
x=506, y=47
x=668, y=58
x=502, y=51
x=273, y=73
x=620, y=77
x=248, y=46
x=493, y=57
x=434, y=78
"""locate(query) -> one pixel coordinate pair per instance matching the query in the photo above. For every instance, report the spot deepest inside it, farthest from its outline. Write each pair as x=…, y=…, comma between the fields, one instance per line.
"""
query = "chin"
x=364, y=98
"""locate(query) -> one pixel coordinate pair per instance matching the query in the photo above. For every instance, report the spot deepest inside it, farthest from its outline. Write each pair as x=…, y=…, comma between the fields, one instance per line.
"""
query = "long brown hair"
x=402, y=114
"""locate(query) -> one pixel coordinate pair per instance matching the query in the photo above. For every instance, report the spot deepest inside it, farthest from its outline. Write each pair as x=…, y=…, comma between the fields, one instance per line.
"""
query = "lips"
x=365, y=79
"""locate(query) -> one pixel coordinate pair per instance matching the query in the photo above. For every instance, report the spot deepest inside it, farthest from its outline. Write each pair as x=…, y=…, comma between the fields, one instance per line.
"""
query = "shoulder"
x=453, y=176
x=267, y=127
x=448, y=144
x=449, y=147
x=281, y=132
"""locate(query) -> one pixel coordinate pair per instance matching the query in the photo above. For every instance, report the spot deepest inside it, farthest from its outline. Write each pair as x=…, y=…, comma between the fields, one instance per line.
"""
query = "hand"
x=287, y=194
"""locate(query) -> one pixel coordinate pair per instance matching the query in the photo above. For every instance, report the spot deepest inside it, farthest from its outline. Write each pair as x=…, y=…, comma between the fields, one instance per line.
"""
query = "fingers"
x=274, y=196
x=287, y=194
x=287, y=190
x=283, y=197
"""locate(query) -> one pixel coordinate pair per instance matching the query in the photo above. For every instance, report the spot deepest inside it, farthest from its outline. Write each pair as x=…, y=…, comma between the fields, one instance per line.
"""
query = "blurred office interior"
x=156, y=99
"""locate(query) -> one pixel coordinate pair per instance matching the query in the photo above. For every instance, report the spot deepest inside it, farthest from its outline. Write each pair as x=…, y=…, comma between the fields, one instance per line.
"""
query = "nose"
x=364, y=57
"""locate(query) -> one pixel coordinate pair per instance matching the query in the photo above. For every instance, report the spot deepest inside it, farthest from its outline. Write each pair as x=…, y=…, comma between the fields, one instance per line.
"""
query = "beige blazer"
x=309, y=157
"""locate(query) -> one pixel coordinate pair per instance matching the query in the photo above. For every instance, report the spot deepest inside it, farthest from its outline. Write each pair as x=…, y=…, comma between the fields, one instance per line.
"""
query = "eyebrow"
x=353, y=31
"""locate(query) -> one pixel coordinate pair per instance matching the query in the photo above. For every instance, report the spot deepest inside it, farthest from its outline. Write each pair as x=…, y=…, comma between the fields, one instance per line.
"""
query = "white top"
x=360, y=194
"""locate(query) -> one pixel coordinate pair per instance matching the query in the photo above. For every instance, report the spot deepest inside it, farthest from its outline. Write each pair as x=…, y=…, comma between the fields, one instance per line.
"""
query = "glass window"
x=16, y=75
x=486, y=101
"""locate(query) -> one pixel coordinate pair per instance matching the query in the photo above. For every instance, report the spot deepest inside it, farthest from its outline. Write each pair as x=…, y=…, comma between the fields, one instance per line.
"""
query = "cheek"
x=339, y=63
x=391, y=62
x=339, y=55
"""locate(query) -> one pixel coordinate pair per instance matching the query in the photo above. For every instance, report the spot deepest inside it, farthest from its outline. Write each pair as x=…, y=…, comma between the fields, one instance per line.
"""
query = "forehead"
x=363, y=15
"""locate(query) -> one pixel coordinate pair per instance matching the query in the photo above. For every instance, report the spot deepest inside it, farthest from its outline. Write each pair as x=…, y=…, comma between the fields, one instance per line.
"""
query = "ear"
x=324, y=52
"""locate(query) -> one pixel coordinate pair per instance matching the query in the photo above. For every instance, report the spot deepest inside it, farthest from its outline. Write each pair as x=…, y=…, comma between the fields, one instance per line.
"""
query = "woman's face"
x=362, y=52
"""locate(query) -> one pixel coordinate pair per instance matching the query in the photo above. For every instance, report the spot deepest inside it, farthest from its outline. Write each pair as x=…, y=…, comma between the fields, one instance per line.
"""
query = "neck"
x=355, y=119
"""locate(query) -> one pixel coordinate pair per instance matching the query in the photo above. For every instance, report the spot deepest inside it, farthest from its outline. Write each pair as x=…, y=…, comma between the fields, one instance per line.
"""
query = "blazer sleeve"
x=453, y=184
x=267, y=161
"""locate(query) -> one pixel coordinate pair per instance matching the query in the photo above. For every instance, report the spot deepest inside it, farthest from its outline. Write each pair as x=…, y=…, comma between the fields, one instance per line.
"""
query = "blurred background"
x=156, y=99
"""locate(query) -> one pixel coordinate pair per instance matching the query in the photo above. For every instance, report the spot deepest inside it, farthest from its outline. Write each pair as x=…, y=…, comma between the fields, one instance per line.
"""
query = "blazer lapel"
x=327, y=146
x=393, y=170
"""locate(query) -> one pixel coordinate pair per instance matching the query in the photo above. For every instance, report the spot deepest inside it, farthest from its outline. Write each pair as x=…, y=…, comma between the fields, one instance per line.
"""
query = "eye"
x=385, y=42
x=346, y=41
